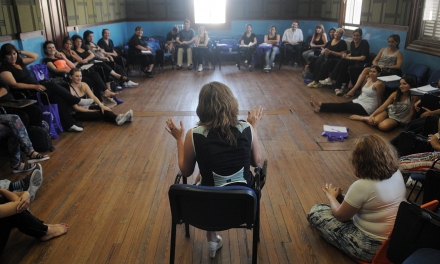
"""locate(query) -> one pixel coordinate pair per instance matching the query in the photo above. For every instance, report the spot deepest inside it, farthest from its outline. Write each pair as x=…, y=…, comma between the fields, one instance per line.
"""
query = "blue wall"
x=121, y=33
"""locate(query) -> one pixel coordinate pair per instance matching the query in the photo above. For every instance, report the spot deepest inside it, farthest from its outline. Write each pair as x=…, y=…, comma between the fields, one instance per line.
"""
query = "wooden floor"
x=110, y=183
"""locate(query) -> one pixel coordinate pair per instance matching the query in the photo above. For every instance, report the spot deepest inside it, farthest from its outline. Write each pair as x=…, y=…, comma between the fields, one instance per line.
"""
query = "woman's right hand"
x=372, y=120
x=255, y=116
x=176, y=132
x=40, y=88
x=416, y=105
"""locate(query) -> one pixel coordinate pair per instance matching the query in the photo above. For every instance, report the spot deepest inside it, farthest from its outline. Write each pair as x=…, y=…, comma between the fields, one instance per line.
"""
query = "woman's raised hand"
x=176, y=132
x=255, y=116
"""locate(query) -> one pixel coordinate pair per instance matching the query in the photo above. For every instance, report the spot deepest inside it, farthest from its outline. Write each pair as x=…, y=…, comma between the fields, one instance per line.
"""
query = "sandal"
x=26, y=167
x=36, y=157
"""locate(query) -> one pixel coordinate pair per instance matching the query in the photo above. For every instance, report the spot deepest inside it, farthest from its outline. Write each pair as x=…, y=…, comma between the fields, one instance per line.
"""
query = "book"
x=389, y=78
x=425, y=89
x=86, y=66
x=146, y=51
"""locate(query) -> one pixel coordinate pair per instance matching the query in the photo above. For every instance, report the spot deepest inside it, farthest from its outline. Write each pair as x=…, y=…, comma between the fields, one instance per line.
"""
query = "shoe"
x=85, y=102
x=118, y=101
x=410, y=183
x=178, y=67
x=79, y=124
x=200, y=67
x=214, y=246
x=149, y=74
x=122, y=118
x=119, y=88
x=209, y=66
x=130, y=119
x=339, y=92
x=310, y=85
x=35, y=182
x=250, y=67
x=326, y=82
x=109, y=102
x=273, y=64
x=75, y=129
x=36, y=157
x=26, y=167
x=267, y=68
x=295, y=65
x=317, y=85
x=130, y=84
x=190, y=67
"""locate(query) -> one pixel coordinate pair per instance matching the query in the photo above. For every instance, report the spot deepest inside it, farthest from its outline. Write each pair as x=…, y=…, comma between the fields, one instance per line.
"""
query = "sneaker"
x=214, y=246
x=122, y=118
x=326, y=82
x=209, y=65
x=317, y=85
x=130, y=119
x=178, y=67
x=295, y=65
x=250, y=67
x=411, y=182
x=26, y=167
x=109, y=102
x=131, y=84
x=119, y=88
x=75, y=129
x=118, y=101
x=35, y=182
x=310, y=85
x=190, y=67
x=200, y=67
x=267, y=68
x=339, y=92
x=273, y=64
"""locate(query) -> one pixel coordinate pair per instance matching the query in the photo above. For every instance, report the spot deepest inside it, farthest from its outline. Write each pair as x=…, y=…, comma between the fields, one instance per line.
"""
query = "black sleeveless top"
x=318, y=42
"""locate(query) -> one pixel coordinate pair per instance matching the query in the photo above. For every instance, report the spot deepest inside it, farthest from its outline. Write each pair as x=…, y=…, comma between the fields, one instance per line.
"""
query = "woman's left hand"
x=255, y=116
x=329, y=190
x=176, y=132
x=24, y=202
x=105, y=108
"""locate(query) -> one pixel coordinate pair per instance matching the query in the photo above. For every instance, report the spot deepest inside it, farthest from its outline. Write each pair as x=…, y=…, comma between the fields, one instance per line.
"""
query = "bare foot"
x=315, y=104
x=55, y=231
x=359, y=118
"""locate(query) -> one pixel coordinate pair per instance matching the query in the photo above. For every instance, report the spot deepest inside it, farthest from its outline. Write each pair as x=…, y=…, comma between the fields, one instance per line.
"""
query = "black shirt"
x=107, y=47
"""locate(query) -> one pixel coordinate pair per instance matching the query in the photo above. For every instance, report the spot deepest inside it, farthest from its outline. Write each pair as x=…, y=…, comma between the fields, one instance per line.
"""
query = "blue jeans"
x=12, y=128
x=343, y=235
x=270, y=58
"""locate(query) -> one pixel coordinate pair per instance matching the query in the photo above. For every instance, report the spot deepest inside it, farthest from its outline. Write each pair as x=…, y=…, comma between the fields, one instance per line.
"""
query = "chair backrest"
x=260, y=39
x=420, y=72
x=224, y=37
x=306, y=42
x=154, y=45
x=434, y=78
x=161, y=39
x=213, y=208
x=231, y=42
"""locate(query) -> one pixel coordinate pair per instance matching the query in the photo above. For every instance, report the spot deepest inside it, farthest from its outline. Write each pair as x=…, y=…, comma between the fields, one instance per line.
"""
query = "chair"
x=420, y=73
x=434, y=78
x=227, y=207
x=159, y=53
x=224, y=51
x=430, y=184
x=381, y=255
x=286, y=54
x=133, y=59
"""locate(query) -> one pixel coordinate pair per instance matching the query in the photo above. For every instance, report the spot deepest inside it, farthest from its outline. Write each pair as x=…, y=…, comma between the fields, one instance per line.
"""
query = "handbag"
x=40, y=71
x=335, y=133
x=414, y=228
x=51, y=116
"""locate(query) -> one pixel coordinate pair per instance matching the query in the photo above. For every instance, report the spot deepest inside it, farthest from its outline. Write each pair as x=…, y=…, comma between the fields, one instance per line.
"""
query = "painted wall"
x=118, y=32
x=33, y=44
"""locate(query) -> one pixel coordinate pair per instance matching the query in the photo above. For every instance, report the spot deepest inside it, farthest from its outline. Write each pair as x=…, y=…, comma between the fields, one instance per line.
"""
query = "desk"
x=18, y=103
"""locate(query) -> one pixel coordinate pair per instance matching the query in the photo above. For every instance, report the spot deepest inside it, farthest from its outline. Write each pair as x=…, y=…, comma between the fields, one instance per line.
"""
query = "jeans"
x=270, y=55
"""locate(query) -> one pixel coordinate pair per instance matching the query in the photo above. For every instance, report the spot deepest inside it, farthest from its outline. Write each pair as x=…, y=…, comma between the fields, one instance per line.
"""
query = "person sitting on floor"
x=93, y=112
x=363, y=220
x=365, y=104
x=223, y=146
x=398, y=108
x=185, y=39
x=14, y=214
x=138, y=46
x=12, y=128
x=31, y=183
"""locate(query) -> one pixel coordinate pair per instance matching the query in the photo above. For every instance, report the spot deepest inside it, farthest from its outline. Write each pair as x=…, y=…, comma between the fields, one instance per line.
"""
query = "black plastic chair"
x=227, y=207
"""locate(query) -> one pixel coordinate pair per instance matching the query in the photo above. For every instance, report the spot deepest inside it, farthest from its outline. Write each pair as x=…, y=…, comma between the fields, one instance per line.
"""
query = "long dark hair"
x=75, y=37
x=7, y=49
x=396, y=38
x=409, y=79
x=85, y=36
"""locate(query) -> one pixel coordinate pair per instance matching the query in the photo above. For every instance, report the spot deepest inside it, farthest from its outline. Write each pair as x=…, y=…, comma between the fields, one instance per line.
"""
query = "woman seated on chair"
x=248, y=44
x=31, y=115
x=223, y=146
x=12, y=128
x=319, y=39
x=59, y=65
x=171, y=42
x=138, y=46
x=331, y=34
x=330, y=55
x=358, y=54
x=398, y=108
x=274, y=39
x=203, y=51
x=14, y=73
x=92, y=112
x=362, y=222
x=108, y=47
x=389, y=59
x=106, y=58
x=365, y=104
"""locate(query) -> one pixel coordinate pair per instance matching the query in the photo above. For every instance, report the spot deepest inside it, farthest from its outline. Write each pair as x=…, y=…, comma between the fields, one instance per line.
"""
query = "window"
x=430, y=26
x=424, y=31
x=352, y=14
x=210, y=11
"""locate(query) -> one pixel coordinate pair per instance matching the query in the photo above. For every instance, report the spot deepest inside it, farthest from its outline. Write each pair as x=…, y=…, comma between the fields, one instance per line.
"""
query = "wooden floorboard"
x=110, y=183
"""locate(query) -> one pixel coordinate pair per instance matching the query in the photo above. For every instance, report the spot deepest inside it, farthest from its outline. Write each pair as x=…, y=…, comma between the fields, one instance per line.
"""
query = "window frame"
x=341, y=21
x=431, y=47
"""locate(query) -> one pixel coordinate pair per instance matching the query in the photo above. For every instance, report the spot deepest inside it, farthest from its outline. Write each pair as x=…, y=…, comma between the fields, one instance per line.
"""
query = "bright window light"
x=353, y=13
x=210, y=11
